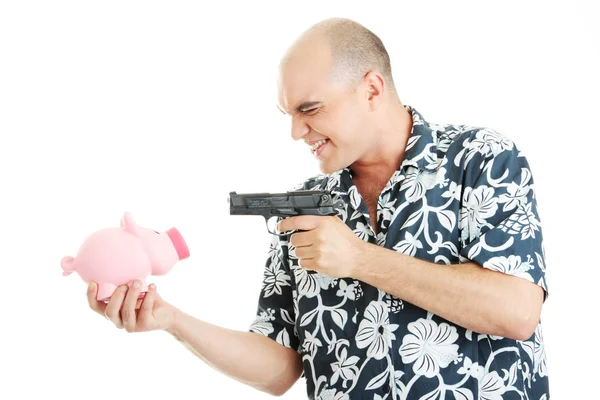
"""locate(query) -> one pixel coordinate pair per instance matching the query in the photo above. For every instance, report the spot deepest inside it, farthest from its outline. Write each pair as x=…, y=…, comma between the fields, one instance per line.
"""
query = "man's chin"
x=329, y=167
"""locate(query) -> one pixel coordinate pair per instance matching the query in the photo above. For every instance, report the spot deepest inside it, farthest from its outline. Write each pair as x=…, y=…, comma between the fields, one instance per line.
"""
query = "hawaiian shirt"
x=461, y=194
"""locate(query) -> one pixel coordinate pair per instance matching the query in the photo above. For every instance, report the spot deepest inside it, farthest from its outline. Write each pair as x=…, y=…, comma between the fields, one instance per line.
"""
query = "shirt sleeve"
x=276, y=313
x=499, y=223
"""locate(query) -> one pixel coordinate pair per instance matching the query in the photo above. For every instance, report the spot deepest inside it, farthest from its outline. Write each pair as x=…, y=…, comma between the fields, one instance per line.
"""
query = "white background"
x=163, y=108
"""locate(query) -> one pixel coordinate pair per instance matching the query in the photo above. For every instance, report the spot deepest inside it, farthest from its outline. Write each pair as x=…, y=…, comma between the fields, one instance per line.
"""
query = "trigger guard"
x=267, y=219
x=275, y=233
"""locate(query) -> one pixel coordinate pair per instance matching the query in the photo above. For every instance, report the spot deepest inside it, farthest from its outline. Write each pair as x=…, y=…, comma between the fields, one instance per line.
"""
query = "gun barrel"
x=301, y=202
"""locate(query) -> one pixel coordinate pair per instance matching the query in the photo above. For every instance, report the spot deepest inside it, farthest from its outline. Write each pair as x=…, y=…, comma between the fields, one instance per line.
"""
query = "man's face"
x=323, y=110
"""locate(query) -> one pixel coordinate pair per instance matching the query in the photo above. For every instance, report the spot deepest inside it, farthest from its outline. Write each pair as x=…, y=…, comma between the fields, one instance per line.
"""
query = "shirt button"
x=387, y=387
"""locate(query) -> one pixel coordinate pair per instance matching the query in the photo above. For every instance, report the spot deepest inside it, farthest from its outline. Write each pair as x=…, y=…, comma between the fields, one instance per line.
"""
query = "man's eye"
x=311, y=111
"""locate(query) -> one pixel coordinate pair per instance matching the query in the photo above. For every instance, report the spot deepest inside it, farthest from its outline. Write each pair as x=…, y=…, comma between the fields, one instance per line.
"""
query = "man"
x=430, y=282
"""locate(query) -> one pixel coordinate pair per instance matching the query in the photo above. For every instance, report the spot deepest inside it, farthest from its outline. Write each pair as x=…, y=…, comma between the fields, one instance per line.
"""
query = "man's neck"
x=391, y=136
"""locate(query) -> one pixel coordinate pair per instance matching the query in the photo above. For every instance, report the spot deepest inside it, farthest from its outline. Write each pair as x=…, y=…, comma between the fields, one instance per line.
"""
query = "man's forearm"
x=247, y=357
x=475, y=298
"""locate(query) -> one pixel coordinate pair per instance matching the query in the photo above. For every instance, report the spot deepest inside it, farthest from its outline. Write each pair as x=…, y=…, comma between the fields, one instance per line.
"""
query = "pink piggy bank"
x=116, y=256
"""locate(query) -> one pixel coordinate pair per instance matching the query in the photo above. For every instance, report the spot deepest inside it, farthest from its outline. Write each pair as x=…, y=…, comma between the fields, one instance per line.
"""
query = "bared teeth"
x=316, y=145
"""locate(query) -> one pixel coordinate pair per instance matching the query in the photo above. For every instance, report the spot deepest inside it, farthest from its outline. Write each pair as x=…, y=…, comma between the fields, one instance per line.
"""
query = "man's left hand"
x=328, y=246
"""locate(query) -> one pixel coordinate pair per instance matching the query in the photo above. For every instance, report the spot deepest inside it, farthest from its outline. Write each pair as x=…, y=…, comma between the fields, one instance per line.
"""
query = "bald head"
x=349, y=50
x=335, y=81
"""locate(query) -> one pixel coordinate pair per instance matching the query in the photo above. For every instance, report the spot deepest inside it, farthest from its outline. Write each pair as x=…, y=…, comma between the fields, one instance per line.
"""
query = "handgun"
x=286, y=204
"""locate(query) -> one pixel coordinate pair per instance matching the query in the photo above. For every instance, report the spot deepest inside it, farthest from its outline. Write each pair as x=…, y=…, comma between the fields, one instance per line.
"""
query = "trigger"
x=286, y=211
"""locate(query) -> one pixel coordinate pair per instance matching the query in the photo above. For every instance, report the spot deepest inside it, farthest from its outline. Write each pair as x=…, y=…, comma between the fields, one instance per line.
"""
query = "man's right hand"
x=126, y=311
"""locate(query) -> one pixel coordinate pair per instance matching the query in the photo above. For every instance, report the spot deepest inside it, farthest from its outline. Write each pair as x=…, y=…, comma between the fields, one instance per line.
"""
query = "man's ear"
x=375, y=85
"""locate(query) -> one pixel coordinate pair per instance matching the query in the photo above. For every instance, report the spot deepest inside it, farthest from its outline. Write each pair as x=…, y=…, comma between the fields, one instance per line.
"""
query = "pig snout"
x=169, y=248
x=178, y=243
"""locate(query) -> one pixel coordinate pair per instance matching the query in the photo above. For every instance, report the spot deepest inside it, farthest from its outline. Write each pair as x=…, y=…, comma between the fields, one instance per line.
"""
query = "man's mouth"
x=317, y=146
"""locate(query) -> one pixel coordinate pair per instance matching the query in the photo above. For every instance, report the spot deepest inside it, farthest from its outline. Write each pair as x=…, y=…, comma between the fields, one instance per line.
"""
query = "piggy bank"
x=118, y=255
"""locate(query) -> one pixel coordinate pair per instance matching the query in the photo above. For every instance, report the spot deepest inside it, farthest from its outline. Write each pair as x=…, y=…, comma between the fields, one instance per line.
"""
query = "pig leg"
x=143, y=289
x=105, y=290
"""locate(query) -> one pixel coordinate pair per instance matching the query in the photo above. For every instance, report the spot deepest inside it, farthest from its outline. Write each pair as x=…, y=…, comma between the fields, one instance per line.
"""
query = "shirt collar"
x=420, y=152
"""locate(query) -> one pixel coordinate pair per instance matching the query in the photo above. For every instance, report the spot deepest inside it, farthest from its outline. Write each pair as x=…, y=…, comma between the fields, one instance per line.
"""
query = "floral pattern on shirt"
x=461, y=194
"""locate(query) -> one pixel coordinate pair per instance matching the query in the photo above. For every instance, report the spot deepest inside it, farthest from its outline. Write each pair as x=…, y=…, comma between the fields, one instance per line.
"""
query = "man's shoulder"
x=466, y=134
x=465, y=142
x=441, y=136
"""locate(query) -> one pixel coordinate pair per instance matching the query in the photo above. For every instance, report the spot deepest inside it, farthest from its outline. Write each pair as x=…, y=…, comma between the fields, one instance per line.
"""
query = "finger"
x=304, y=253
x=128, y=314
x=113, y=307
x=307, y=264
x=92, y=292
x=145, y=313
x=299, y=222
x=300, y=239
x=286, y=224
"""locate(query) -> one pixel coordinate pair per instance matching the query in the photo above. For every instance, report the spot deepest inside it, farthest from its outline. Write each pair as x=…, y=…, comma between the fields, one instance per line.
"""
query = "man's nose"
x=299, y=129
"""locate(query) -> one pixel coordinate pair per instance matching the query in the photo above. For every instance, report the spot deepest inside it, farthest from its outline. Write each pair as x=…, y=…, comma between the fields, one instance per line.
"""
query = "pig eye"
x=158, y=233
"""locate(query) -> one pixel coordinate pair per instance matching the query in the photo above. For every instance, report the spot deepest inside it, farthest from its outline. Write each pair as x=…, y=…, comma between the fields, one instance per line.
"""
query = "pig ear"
x=129, y=224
